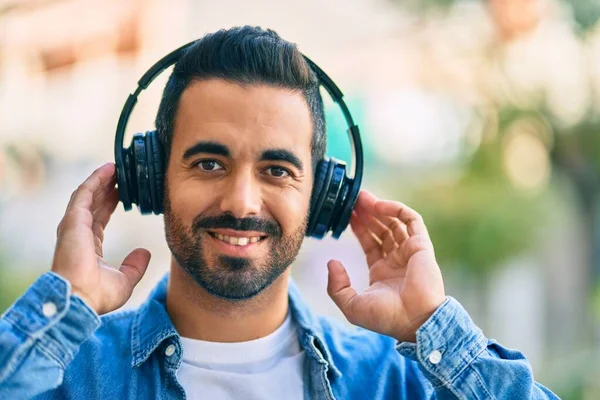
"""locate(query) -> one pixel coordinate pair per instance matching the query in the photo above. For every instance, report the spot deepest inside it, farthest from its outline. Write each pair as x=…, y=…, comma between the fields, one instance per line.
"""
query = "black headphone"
x=140, y=167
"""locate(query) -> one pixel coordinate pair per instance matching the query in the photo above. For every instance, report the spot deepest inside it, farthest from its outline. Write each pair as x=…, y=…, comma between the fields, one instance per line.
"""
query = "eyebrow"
x=206, y=147
x=282, y=155
x=222, y=150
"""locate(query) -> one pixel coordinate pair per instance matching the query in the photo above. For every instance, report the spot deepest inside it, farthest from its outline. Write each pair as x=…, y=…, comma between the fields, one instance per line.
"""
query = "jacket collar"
x=152, y=325
x=311, y=333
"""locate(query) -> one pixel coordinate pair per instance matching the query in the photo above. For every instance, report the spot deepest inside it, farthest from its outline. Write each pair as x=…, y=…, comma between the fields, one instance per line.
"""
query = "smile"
x=236, y=241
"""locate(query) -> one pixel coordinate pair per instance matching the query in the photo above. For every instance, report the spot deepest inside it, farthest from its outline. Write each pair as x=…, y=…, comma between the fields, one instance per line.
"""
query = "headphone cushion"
x=155, y=158
x=140, y=191
x=333, y=197
x=320, y=176
x=329, y=199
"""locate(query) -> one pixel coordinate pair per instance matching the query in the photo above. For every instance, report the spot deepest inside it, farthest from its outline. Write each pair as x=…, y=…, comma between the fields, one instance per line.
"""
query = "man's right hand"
x=78, y=253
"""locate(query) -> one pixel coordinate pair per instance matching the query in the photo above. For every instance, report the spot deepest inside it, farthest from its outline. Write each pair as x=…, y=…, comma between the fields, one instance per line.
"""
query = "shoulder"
x=110, y=344
x=104, y=357
x=114, y=322
x=371, y=358
x=340, y=335
x=113, y=335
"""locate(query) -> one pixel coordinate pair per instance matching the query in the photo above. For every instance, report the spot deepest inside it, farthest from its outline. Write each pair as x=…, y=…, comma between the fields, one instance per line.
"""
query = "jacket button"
x=49, y=309
x=435, y=357
x=170, y=350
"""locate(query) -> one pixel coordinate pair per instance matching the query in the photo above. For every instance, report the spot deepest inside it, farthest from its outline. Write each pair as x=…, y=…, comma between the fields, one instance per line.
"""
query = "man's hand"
x=405, y=281
x=78, y=253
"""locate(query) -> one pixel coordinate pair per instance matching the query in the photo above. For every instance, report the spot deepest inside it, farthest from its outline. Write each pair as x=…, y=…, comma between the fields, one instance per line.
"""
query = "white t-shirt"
x=266, y=368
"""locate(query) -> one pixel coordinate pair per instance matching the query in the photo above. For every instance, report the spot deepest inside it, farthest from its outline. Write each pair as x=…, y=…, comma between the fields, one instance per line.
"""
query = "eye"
x=278, y=172
x=209, y=165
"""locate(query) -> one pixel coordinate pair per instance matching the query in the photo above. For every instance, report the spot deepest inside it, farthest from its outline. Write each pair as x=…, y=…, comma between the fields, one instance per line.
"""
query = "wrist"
x=76, y=291
x=409, y=333
x=86, y=300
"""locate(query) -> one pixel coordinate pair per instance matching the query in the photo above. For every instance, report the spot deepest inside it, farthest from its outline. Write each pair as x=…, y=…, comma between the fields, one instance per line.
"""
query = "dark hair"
x=245, y=55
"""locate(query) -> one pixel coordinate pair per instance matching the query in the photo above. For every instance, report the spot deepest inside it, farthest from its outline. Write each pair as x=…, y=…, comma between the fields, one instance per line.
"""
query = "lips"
x=236, y=240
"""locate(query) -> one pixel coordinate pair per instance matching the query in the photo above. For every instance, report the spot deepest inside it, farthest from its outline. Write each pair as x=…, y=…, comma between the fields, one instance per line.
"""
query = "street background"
x=482, y=115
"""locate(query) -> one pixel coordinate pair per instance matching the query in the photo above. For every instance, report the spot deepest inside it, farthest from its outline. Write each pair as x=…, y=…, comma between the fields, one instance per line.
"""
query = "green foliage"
x=482, y=220
x=424, y=5
x=585, y=12
x=12, y=286
x=13, y=282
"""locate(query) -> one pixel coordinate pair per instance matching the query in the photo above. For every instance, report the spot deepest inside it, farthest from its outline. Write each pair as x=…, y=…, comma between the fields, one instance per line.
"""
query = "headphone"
x=141, y=166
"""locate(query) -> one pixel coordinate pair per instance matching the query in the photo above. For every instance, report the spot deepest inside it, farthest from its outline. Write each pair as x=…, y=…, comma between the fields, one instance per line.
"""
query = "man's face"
x=238, y=185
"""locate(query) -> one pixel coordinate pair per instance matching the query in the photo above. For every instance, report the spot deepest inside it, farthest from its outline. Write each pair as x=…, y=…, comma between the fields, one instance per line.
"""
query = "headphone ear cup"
x=321, y=174
x=125, y=177
x=155, y=162
x=347, y=199
x=328, y=203
x=140, y=190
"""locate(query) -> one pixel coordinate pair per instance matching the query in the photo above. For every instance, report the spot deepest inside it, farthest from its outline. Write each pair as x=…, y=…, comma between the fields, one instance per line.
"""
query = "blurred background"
x=483, y=115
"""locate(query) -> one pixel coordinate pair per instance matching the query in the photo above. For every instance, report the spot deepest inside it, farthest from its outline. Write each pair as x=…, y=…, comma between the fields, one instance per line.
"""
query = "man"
x=242, y=125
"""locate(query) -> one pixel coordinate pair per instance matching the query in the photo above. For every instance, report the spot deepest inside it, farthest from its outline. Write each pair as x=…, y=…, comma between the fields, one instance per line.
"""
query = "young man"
x=242, y=125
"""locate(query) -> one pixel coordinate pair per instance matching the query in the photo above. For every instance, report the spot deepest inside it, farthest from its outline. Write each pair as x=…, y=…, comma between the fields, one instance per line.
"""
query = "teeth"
x=236, y=241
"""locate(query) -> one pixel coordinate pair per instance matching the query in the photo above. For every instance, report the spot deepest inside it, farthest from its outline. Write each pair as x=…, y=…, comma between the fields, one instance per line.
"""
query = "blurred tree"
x=475, y=202
x=424, y=6
x=585, y=12
x=481, y=220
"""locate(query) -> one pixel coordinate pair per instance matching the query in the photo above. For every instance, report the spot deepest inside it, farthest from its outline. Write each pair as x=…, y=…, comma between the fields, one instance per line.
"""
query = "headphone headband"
x=324, y=80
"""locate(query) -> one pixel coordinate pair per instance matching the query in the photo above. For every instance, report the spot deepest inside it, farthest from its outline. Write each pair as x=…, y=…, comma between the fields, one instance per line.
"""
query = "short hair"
x=244, y=55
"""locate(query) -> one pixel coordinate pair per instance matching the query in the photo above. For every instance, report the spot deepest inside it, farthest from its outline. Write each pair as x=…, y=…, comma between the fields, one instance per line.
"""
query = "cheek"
x=188, y=200
x=288, y=207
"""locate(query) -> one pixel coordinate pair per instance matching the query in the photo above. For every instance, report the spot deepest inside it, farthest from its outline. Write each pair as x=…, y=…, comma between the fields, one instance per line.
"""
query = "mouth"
x=239, y=239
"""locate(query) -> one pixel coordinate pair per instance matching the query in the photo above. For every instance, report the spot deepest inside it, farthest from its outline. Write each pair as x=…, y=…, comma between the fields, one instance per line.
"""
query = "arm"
x=461, y=363
x=406, y=301
x=41, y=333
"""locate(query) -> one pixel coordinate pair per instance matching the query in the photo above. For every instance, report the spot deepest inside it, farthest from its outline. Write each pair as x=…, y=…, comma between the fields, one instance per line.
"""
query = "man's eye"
x=209, y=165
x=278, y=172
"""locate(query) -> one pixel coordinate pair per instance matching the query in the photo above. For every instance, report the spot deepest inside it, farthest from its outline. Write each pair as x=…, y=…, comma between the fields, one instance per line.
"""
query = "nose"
x=242, y=195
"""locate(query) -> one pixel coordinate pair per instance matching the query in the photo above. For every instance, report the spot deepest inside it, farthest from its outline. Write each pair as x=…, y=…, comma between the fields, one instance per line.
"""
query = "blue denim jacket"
x=53, y=346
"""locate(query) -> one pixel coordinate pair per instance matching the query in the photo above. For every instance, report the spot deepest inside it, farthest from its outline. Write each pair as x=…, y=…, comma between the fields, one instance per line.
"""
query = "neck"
x=197, y=314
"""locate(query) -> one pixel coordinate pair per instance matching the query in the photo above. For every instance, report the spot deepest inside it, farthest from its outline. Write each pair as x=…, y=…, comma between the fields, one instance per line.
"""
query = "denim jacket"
x=53, y=346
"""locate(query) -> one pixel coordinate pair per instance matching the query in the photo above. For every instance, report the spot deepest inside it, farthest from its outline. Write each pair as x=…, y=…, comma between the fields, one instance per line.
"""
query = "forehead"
x=247, y=118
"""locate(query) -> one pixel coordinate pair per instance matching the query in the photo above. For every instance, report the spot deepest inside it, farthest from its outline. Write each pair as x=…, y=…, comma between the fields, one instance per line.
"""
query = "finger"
x=104, y=212
x=397, y=228
x=101, y=218
x=340, y=289
x=70, y=203
x=416, y=244
x=412, y=219
x=369, y=243
x=84, y=195
x=383, y=233
x=134, y=266
x=106, y=190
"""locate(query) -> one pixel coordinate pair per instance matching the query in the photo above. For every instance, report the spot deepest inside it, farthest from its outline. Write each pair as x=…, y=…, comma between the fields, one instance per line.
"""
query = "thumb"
x=339, y=288
x=134, y=266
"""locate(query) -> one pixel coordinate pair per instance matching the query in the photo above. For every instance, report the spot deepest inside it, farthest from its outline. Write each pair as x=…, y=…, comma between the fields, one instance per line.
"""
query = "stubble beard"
x=231, y=278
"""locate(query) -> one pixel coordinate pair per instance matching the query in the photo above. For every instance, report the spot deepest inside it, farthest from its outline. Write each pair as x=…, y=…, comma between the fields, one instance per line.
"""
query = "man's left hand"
x=405, y=282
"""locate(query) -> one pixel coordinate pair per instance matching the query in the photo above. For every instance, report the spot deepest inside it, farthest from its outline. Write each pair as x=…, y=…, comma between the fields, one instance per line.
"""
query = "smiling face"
x=238, y=184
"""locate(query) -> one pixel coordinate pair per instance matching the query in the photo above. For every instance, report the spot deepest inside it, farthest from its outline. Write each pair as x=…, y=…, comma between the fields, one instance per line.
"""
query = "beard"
x=230, y=278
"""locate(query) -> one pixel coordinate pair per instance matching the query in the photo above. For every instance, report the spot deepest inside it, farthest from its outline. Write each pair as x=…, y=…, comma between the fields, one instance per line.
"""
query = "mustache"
x=228, y=221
